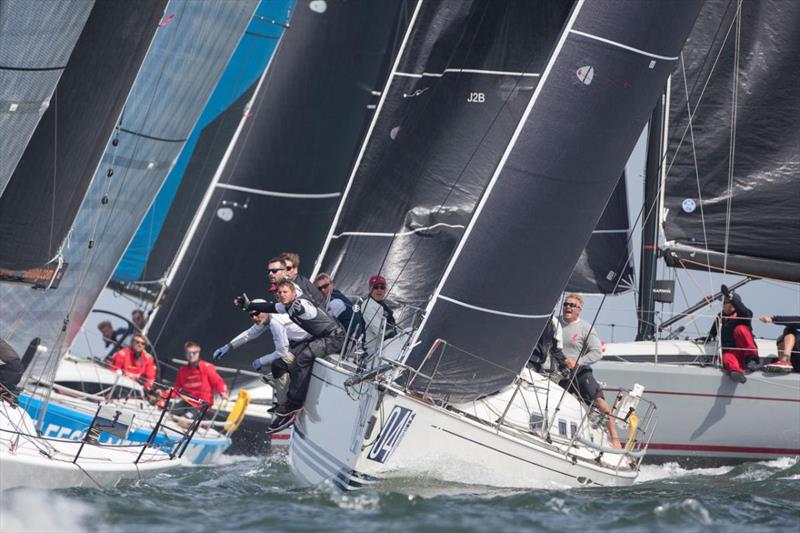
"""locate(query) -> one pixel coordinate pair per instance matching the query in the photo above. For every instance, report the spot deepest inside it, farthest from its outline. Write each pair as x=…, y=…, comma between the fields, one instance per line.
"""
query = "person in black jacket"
x=10, y=372
x=736, y=335
x=788, y=349
x=309, y=290
x=326, y=337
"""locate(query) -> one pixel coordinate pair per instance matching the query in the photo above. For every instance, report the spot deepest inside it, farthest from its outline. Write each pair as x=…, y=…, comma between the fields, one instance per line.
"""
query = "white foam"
x=791, y=478
x=28, y=510
x=689, y=506
x=674, y=470
x=781, y=462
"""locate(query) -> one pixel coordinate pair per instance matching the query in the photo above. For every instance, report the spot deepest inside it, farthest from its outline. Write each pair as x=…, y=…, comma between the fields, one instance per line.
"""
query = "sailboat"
x=271, y=174
x=722, y=176
x=116, y=175
x=541, y=121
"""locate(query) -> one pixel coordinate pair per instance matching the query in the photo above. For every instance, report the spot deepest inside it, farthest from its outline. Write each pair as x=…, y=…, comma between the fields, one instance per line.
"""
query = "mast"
x=646, y=304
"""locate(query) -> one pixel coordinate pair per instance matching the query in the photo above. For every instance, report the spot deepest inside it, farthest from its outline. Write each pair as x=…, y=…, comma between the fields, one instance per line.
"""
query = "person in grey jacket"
x=582, y=348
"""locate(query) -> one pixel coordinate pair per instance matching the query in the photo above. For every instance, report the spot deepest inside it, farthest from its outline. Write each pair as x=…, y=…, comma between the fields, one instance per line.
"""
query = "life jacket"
x=199, y=381
x=320, y=326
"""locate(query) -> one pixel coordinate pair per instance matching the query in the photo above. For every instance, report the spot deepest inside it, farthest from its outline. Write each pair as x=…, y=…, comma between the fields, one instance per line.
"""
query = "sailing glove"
x=220, y=352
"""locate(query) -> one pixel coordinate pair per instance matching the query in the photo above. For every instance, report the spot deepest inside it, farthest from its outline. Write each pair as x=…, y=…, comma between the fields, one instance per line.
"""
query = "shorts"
x=585, y=386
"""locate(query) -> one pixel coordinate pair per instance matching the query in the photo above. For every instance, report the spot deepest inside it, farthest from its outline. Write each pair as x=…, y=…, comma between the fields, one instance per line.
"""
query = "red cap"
x=374, y=280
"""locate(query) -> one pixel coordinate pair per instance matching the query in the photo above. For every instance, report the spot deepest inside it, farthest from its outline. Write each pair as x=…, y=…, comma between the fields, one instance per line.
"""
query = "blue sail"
x=248, y=62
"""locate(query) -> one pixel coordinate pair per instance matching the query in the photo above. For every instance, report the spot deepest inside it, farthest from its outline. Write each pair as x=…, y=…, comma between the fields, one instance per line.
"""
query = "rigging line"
x=456, y=182
x=399, y=234
x=697, y=176
x=732, y=148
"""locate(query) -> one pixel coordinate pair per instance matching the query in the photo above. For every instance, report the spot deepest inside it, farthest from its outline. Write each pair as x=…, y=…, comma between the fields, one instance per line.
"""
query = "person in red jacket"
x=199, y=379
x=135, y=362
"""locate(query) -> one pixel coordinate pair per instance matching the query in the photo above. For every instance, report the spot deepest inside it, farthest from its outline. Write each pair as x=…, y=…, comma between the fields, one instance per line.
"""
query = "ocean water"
x=257, y=494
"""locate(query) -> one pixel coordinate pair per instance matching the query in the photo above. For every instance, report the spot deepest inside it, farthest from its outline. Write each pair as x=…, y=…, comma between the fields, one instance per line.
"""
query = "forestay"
x=595, y=95
x=732, y=190
x=36, y=40
x=187, y=56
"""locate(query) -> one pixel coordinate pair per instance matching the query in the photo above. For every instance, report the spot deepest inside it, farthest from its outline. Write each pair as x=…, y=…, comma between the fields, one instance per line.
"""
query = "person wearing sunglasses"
x=325, y=337
x=582, y=348
x=284, y=332
x=307, y=289
x=338, y=304
x=375, y=313
x=199, y=379
x=135, y=362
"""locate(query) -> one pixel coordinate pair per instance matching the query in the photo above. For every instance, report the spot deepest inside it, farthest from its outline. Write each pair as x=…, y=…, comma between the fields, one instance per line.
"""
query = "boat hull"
x=64, y=422
x=354, y=440
x=22, y=463
x=703, y=414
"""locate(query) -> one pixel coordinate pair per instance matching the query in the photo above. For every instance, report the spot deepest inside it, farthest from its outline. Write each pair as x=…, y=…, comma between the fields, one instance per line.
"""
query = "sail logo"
x=391, y=434
x=585, y=74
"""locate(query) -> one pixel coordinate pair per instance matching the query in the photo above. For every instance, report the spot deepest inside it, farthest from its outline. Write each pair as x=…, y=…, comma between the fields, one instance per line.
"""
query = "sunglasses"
x=379, y=287
x=192, y=352
x=571, y=305
x=275, y=270
x=289, y=267
x=324, y=286
x=139, y=343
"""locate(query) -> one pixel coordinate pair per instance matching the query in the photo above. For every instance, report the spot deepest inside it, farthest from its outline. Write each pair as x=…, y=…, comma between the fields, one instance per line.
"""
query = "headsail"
x=36, y=40
x=449, y=109
x=732, y=187
x=605, y=265
x=279, y=185
x=50, y=181
x=595, y=95
x=182, y=67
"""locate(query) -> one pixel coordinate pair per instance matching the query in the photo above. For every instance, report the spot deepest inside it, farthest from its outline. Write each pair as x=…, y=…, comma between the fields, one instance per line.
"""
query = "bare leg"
x=789, y=341
x=603, y=407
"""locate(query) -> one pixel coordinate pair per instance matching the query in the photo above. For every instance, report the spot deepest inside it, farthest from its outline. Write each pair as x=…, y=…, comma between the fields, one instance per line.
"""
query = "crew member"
x=338, y=304
x=10, y=372
x=550, y=345
x=135, y=362
x=736, y=335
x=308, y=290
x=582, y=348
x=326, y=337
x=284, y=332
x=198, y=378
x=788, y=349
x=374, y=313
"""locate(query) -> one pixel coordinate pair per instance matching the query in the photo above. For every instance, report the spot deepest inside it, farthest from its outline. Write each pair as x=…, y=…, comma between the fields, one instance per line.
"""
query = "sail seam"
x=487, y=310
x=623, y=46
x=151, y=137
x=400, y=234
x=31, y=69
x=467, y=71
x=610, y=231
x=278, y=194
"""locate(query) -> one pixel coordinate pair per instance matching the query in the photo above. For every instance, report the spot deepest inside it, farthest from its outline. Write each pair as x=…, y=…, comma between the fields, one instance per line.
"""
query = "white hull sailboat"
x=703, y=414
x=29, y=460
x=539, y=135
x=355, y=434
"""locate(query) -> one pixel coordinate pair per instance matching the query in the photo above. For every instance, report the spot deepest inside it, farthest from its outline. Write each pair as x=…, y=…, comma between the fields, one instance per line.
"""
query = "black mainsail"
x=36, y=40
x=187, y=56
x=279, y=183
x=449, y=108
x=595, y=95
x=50, y=181
x=732, y=191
